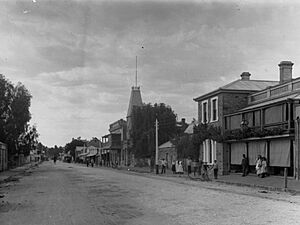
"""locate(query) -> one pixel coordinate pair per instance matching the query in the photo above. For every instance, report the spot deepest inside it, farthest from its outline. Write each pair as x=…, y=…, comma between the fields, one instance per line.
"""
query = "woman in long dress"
x=180, y=168
x=258, y=166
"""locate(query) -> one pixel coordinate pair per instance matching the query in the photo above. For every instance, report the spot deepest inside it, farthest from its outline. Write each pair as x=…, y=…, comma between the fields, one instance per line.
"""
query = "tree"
x=186, y=147
x=71, y=146
x=6, y=97
x=14, y=111
x=54, y=151
x=143, y=130
x=28, y=141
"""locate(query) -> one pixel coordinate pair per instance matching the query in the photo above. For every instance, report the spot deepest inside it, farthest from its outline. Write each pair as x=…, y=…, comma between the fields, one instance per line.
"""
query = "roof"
x=167, y=144
x=84, y=154
x=249, y=85
x=79, y=148
x=242, y=85
x=135, y=100
x=190, y=128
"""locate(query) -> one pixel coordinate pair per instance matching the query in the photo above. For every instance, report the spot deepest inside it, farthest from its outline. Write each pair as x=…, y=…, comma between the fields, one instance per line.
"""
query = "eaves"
x=220, y=91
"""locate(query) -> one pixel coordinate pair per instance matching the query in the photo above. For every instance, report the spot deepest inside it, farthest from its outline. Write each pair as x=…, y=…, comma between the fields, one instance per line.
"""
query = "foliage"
x=186, y=147
x=28, y=140
x=54, y=151
x=143, y=128
x=71, y=146
x=14, y=115
x=205, y=131
x=251, y=132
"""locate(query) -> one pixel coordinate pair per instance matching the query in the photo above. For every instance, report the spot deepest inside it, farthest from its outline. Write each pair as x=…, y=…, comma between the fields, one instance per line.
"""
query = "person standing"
x=215, y=167
x=204, y=171
x=180, y=167
x=200, y=167
x=92, y=162
x=163, y=166
x=173, y=167
x=263, y=167
x=245, y=165
x=258, y=166
x=189, y=165
x=195, y=166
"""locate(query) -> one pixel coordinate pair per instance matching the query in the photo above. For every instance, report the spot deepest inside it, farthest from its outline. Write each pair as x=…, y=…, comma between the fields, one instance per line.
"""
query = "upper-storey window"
x=204, y=111
x=214, y=109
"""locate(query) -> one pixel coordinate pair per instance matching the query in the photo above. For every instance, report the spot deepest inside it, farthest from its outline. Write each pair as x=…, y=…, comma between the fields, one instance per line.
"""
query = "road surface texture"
x=66, y=194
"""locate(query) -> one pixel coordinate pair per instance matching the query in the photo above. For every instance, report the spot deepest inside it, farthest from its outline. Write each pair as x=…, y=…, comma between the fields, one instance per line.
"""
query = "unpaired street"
x=66, y=194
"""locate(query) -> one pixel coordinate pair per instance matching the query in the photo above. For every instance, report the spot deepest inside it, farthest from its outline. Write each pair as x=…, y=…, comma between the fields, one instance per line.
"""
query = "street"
x=73, y=194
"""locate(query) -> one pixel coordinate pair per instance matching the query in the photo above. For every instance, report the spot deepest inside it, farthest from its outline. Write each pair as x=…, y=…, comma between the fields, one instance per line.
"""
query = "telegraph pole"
x=156, y=145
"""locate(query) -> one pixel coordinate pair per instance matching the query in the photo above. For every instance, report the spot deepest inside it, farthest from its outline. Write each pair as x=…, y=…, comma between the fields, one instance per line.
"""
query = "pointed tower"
x=134, y=101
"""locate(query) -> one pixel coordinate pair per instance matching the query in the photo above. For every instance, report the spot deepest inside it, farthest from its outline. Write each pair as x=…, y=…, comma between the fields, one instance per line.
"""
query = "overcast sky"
x=77, y=58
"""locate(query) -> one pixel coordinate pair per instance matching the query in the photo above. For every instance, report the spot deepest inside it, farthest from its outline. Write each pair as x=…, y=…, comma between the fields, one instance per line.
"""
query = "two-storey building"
x=270, y=122
x=214, y=105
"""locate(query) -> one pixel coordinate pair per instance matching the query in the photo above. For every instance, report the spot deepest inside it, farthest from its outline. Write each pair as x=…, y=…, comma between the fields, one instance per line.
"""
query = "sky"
x=78, y=58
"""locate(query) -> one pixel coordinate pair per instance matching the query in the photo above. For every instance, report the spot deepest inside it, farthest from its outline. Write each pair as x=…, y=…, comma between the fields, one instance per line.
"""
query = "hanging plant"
x=248, y=132
x=205, y=131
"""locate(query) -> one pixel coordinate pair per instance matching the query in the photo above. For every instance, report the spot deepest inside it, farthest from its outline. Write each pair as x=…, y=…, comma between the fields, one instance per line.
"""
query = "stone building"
x=214, y=105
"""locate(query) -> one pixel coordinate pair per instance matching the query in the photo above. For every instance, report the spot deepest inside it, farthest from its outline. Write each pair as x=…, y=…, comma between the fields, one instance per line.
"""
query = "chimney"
x=285, y=71
x=183, y=120
x=245, y=76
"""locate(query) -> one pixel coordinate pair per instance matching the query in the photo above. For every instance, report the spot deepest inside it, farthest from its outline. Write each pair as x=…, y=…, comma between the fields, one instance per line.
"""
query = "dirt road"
x=73, y=194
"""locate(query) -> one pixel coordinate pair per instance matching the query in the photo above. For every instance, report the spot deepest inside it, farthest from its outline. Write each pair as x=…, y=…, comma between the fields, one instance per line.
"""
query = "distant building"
x=112, y=143
x=168, y=152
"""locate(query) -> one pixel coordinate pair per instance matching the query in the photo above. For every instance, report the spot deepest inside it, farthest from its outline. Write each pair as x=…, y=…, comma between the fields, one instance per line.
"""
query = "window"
x=214, y=109
x=205, y=111
x=273, y=114
x=209, y=151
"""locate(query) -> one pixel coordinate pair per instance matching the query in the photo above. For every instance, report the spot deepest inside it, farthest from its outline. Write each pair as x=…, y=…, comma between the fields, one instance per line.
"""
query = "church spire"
x=136, y=70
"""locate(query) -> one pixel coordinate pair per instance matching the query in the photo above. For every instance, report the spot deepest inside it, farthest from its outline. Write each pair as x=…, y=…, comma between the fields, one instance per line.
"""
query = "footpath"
x=15, y=173
x=270, y=183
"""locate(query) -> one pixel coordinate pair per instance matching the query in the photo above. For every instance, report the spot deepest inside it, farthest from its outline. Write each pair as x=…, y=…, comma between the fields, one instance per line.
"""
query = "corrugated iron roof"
x=167, y=144
x=242, y=85
x=249, y=85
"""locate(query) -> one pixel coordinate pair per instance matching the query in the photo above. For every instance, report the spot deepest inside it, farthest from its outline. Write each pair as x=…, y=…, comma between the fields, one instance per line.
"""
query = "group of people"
x=260, y=166
x=90, y=162
x=202, y=168
x=177, y=167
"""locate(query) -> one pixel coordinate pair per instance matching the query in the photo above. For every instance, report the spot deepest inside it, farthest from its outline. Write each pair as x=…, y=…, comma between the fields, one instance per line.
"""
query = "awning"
x=83, y=154
x=91, y=154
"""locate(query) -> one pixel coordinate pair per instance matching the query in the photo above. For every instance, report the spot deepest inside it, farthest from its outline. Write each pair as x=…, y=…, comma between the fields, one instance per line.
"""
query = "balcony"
x=111, y=141
x=273, y=92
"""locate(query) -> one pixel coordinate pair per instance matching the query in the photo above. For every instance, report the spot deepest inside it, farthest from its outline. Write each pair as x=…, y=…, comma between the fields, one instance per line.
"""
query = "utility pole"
x=156, y=145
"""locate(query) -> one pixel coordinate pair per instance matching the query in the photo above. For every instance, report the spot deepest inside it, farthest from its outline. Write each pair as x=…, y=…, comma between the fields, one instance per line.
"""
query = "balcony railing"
x=275, y=91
